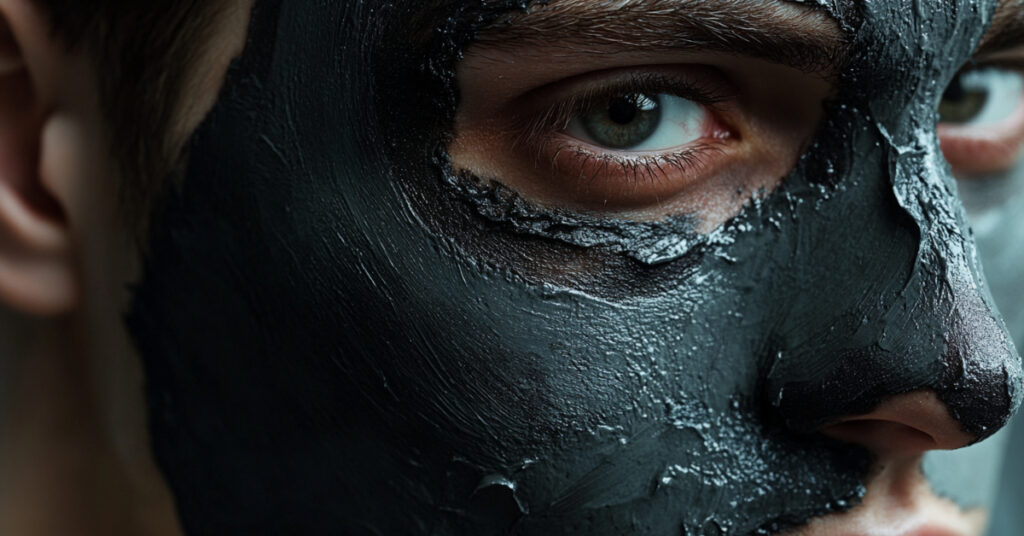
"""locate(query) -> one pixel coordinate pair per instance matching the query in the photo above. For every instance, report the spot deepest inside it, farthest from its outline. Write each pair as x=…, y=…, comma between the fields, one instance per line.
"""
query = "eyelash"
x=641, y=169
x=544, y=132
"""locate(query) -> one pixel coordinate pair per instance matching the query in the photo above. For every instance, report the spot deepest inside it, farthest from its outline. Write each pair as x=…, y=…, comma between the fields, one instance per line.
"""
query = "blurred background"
x=995, y=206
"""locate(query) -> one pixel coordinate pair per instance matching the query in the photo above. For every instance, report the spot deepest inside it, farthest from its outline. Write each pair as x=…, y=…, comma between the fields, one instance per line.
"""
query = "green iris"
x=623, y=122
x=961, y=104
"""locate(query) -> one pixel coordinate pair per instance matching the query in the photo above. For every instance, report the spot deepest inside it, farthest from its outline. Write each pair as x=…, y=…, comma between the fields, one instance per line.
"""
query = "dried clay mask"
x=346, y=332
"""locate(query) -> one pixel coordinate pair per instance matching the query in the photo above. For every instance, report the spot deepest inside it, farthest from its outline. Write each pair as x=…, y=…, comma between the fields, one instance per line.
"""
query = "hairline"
x=143, y=54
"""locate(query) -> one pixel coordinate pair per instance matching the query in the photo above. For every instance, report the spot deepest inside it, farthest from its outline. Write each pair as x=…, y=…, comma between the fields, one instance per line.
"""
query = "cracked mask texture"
x=336, y=342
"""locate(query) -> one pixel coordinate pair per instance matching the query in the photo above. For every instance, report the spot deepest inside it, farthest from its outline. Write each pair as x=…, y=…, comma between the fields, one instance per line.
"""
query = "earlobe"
x=37, y=270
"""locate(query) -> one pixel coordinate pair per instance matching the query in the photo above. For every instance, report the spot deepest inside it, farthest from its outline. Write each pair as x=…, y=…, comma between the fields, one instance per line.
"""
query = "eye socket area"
x=623, y=141
x=981, y=126
x=640, y=142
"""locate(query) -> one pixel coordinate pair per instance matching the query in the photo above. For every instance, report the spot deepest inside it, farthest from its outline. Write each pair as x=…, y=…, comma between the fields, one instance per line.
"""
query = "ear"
x=38, y=273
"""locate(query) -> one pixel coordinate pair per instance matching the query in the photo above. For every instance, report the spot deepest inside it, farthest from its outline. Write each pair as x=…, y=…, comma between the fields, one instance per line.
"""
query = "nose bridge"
x=939, y=333
x=924, y=319
x=981, y=370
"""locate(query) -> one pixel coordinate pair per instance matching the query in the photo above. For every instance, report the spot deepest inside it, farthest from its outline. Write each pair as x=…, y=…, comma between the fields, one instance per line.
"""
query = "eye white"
x=1005, y=90
x=681, y=123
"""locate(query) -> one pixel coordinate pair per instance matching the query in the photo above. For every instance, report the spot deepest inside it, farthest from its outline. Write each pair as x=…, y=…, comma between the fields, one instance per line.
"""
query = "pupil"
x=622, y=111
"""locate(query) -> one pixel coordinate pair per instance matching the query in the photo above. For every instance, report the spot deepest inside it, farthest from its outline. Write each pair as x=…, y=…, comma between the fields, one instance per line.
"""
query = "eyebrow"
x=789, y=34
x=1007, y=29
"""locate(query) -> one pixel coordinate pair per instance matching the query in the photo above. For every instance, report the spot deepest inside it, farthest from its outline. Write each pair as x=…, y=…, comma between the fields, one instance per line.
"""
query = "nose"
x=951, y=377
x=903, y=425
x=982, y=376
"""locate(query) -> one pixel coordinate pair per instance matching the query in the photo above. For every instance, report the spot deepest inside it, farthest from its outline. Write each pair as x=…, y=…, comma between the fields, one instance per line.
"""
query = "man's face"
x=651, y=267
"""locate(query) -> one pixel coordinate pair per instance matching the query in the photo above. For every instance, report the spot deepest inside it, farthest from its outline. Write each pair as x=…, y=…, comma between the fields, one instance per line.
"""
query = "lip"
x=922, y=528
x=935, y=531
x=929, y=530
x=899, y=502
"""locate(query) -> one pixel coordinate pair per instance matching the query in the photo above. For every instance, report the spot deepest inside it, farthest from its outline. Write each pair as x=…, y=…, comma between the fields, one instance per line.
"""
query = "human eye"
x=638, y=142
x=640, y=122
x=981, y=116
x=625, y=138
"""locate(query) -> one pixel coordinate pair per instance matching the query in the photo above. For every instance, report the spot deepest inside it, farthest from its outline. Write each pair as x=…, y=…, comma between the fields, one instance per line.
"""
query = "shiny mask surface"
x=342, y=336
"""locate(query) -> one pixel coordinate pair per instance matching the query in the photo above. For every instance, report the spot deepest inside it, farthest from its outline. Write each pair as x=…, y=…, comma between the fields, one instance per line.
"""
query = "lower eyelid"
x=596, y=176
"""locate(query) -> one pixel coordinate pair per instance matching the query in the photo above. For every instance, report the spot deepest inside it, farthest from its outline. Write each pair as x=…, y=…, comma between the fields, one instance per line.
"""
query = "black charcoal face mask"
x=342, y=336
x=995, y=207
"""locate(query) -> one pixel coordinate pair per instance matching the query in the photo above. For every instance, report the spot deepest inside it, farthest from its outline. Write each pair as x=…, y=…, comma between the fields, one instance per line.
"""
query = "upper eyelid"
x=1005, y=33
x=1012, y=58
x=557, y=108
x=544, y=130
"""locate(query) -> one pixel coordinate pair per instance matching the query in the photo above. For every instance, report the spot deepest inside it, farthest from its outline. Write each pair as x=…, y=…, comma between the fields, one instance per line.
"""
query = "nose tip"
x=982, y=377
x=903, y=425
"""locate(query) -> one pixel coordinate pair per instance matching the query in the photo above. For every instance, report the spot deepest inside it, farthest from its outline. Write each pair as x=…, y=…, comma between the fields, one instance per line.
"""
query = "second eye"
x=640, y=122
x=982, y=97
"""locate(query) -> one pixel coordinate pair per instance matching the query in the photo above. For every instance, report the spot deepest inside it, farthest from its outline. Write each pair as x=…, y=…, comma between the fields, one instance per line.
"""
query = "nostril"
x=907, y=424
x=882, y=437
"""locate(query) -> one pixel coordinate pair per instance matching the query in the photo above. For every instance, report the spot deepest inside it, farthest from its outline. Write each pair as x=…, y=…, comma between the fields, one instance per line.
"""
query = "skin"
x=75, y=438
x=336, y=304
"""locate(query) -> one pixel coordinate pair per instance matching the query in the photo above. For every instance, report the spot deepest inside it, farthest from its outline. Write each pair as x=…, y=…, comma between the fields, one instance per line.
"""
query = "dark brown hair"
x=143, y=52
